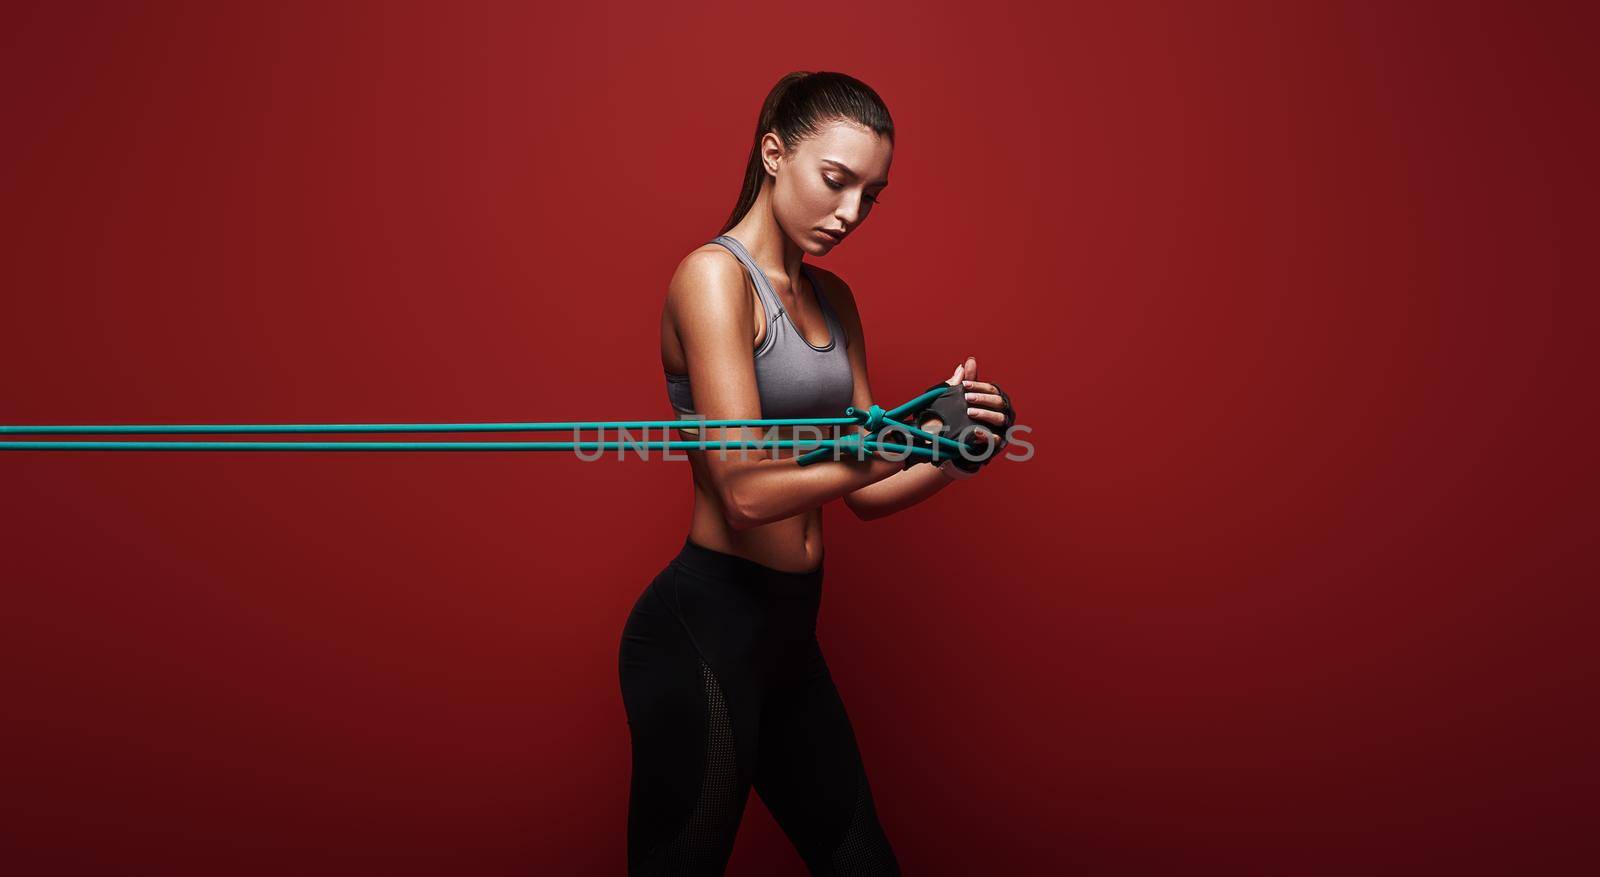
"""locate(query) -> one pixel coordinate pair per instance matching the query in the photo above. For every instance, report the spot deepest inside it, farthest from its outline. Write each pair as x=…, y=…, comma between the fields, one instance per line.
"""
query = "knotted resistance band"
x=919, y=446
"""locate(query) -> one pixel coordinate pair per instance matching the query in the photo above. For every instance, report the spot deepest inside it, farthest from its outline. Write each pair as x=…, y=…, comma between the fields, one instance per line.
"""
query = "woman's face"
x=828, y=183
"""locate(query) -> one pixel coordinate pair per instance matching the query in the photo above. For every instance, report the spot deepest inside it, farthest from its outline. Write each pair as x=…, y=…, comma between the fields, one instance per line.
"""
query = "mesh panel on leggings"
x=865, y=851
x=707, y=838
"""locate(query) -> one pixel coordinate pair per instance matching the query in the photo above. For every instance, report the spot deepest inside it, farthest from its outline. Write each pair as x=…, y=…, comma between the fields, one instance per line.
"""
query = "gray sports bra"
x=793, y=378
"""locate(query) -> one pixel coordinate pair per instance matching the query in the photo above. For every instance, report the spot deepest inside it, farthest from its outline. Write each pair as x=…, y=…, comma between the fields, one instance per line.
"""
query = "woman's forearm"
x=762, y=491
x=765, y=489
x=900, y=491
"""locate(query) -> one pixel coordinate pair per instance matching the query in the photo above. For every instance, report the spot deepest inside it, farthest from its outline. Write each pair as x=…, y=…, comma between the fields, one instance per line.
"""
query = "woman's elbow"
x=736, y=511
x=744, y=512
x=863, y=511
x=738, y=522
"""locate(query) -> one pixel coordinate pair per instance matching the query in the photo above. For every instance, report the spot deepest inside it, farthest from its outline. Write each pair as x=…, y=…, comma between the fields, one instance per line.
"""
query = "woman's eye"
x=832, y=184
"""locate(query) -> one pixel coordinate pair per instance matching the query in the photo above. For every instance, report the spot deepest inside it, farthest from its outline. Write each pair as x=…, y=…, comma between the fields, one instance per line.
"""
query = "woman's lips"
x=832, y=238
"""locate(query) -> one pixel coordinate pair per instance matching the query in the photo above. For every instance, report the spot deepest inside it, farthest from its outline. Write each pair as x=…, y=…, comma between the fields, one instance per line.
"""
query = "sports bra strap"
x=769, y=297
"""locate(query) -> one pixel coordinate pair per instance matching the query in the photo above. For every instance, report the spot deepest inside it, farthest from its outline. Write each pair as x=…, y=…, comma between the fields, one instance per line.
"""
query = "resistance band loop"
x=874, y=419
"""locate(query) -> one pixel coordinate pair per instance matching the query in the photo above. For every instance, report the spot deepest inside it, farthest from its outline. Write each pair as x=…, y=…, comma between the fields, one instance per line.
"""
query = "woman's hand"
x=934, y=424
x=984, y=403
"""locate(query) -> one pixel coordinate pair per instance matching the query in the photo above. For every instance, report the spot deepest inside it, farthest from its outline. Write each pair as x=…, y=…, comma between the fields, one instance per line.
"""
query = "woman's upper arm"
x=712, y=313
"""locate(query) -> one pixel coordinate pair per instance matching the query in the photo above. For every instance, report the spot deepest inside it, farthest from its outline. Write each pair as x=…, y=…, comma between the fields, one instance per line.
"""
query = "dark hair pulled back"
x=797, y=108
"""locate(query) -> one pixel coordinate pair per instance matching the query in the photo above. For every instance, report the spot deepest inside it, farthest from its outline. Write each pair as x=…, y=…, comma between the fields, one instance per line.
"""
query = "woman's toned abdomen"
x=793, y=544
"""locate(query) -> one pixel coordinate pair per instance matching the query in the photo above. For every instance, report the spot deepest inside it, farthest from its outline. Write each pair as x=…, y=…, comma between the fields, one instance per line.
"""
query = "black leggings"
x=725, y=687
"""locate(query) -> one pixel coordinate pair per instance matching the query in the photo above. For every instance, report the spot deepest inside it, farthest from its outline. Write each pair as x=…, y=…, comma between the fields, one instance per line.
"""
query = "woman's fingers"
x=986, y=415
x=982, y=393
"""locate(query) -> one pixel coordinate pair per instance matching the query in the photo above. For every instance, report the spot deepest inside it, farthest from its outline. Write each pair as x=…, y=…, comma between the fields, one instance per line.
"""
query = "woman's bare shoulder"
x=709, y=279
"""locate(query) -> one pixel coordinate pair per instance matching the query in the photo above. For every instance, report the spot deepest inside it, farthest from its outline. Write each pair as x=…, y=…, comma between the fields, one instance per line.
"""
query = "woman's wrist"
x=954, y=472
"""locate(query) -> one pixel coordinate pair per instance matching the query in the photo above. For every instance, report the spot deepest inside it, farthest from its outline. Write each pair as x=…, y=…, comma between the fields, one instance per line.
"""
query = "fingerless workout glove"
x=951, y=409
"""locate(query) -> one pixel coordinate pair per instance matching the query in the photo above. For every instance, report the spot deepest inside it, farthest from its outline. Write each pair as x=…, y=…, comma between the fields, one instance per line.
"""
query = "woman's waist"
x=738, y=570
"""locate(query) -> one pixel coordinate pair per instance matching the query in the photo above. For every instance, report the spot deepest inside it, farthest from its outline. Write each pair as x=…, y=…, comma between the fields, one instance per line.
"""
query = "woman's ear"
x=771, y=152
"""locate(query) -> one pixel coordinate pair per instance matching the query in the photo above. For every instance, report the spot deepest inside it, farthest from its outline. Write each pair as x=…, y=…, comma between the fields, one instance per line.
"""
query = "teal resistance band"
x=875, y=419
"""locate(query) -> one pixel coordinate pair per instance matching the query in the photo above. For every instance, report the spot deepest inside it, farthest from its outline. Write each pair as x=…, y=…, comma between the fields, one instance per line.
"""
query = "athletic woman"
x=723, y=681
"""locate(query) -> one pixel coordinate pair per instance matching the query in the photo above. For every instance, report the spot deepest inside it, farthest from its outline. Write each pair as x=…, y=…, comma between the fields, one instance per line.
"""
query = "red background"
x=1299, y=581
